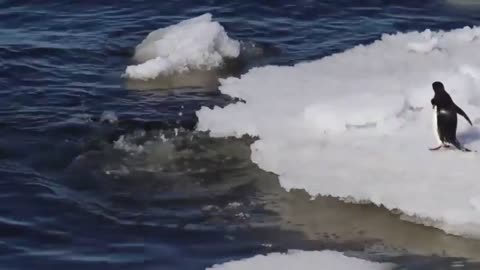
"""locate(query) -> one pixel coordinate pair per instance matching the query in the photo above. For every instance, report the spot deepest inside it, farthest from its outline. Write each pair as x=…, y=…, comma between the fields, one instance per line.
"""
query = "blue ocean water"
x=96, y=175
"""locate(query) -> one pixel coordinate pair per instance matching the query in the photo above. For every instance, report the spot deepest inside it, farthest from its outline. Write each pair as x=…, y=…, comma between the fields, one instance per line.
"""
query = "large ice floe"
x=305, y=260
x=194, y=44
x=357, y=125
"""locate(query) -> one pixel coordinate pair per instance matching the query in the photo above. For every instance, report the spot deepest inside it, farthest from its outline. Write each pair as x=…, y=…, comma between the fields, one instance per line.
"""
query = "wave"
x=357, y=125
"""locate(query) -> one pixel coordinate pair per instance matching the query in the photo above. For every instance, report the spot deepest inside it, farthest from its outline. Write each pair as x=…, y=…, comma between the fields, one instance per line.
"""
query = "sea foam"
x=198, y=43
x=357, y=125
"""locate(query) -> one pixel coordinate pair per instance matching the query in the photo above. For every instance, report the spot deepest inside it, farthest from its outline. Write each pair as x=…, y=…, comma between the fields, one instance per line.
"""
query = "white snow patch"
x=356, y=125
x=425, y=45
x=197, y=43
x=305, y=260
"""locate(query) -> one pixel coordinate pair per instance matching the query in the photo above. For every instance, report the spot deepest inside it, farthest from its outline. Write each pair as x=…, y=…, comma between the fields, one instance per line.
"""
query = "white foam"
x=197, y=43
x=357, y=125
x=305, y=260
x=109, y=116
x=123, y=143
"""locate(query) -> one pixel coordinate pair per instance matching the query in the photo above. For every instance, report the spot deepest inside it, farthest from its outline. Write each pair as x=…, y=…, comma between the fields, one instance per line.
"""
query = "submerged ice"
x=357, y=125
x=296, y=259
x=193, y=44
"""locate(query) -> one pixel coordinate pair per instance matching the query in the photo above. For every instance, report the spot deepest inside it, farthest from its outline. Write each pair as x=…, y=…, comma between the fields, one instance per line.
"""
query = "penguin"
x=445, y=118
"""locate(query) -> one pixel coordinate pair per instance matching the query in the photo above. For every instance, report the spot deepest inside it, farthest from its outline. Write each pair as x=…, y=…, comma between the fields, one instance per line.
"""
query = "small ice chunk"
x=197, y=43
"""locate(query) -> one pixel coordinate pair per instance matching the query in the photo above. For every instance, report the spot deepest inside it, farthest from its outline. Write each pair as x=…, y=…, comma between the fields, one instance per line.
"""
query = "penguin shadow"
x=469, y=136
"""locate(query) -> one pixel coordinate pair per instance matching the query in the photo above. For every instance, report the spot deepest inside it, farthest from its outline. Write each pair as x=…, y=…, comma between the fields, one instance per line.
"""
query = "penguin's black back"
x=447, y=125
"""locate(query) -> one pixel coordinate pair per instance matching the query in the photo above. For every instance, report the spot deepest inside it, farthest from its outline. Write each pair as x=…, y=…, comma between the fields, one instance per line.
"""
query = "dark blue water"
x=72, y=194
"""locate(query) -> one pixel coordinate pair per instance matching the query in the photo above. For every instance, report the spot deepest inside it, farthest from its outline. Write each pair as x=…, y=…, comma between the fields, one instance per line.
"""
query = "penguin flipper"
x=462, y=113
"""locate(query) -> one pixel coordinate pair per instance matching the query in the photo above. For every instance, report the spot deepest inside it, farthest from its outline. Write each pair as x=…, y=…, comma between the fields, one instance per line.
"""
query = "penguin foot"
x=444, y=145
x=436, y=148
x=460, y=147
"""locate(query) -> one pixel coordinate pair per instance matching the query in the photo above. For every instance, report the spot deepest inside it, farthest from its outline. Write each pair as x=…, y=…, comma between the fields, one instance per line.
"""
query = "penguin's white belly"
x=435, y=126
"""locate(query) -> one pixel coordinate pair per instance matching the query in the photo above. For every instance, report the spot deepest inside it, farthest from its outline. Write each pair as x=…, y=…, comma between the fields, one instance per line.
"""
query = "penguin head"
x=438, y=87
